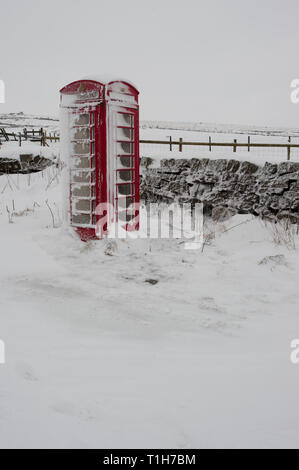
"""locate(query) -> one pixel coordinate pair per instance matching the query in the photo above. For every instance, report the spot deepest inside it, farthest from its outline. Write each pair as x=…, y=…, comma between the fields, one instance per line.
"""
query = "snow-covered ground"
x=12, y=150
x=98, y=357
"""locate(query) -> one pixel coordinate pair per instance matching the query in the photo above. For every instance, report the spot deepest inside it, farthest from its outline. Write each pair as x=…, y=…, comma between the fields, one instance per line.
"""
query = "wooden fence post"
x=170, y=143
x=181, y=145
x=249, y=143
x=289, y=148
x=20, y=139
x=42, y=139
x=235, y=146
x=210, y=142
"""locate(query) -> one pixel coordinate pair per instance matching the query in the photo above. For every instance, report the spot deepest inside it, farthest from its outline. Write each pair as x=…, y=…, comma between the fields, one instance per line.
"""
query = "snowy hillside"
x=17, y=121
x=221, y=128
x=21, y=120
x=98, y=356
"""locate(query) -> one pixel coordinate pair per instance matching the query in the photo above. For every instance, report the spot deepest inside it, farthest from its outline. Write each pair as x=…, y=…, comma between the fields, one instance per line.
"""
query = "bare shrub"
x=209, y=231
x=283, y=233
x=56, y=221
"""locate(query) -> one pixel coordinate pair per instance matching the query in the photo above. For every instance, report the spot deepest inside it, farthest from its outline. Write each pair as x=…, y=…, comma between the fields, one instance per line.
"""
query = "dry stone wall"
x=226, y=186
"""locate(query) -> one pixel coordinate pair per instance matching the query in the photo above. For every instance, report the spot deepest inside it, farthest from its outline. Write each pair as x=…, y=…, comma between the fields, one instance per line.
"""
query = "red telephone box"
x=100, y=149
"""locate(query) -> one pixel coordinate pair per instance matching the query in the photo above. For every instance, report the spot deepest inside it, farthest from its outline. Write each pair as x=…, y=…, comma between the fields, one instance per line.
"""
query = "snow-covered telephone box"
x=100, y=151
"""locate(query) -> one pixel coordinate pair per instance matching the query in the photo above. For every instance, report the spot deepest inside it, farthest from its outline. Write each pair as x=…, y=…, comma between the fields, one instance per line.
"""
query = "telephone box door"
x=86, y=174
x=126, y=142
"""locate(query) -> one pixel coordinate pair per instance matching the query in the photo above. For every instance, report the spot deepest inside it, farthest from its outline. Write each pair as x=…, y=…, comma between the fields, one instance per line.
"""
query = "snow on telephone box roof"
x=100, y=150
x=106, y=79
x=99, y=87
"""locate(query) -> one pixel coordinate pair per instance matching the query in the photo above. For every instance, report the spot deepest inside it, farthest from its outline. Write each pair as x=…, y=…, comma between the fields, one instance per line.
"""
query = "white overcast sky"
x=225, y=61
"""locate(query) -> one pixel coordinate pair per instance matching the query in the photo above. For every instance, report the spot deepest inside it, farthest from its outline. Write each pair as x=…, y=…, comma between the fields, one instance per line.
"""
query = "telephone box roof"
x=103, y=80
x=106, y=79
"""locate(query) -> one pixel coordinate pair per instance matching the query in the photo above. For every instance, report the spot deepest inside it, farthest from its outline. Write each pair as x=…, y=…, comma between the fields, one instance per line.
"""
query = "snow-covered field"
x=190, y=132
x=200, y=132
x=258, y=155
x=16, y=122
x=96, y=356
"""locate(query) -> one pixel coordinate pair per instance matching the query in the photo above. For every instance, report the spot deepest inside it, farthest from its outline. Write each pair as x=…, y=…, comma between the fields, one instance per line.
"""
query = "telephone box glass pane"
x=81, y=177
x=125, y=175
x=82, y=191
x=83, y=219
x=125, y=202
x=124, y=147
x=82, y=162
x=124, y=119
x=81, y=133
x=81, y=148
x=81, y=119
x=82, y=205
x=125, y=162
x=124, y=189
x=125, y=133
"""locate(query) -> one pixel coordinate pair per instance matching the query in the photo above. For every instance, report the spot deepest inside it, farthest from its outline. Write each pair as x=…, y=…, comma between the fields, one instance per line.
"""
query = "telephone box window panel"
x=83, y=191
x=83, y=162
x=81, y=133
x=125, y=148
x=125, y=134
x=125, y=119
x=125, y=162
x=100, y=150
x=81, y=120
x=125, y=175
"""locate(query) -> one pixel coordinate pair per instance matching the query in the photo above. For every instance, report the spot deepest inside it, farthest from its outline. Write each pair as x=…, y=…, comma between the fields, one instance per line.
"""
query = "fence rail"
x=235, y=144
x=33, y=135
x=40, y=135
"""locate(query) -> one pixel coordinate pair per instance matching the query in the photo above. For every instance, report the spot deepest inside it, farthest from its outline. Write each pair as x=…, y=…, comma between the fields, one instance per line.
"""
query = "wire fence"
x=246, y=147
x=250, y=147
